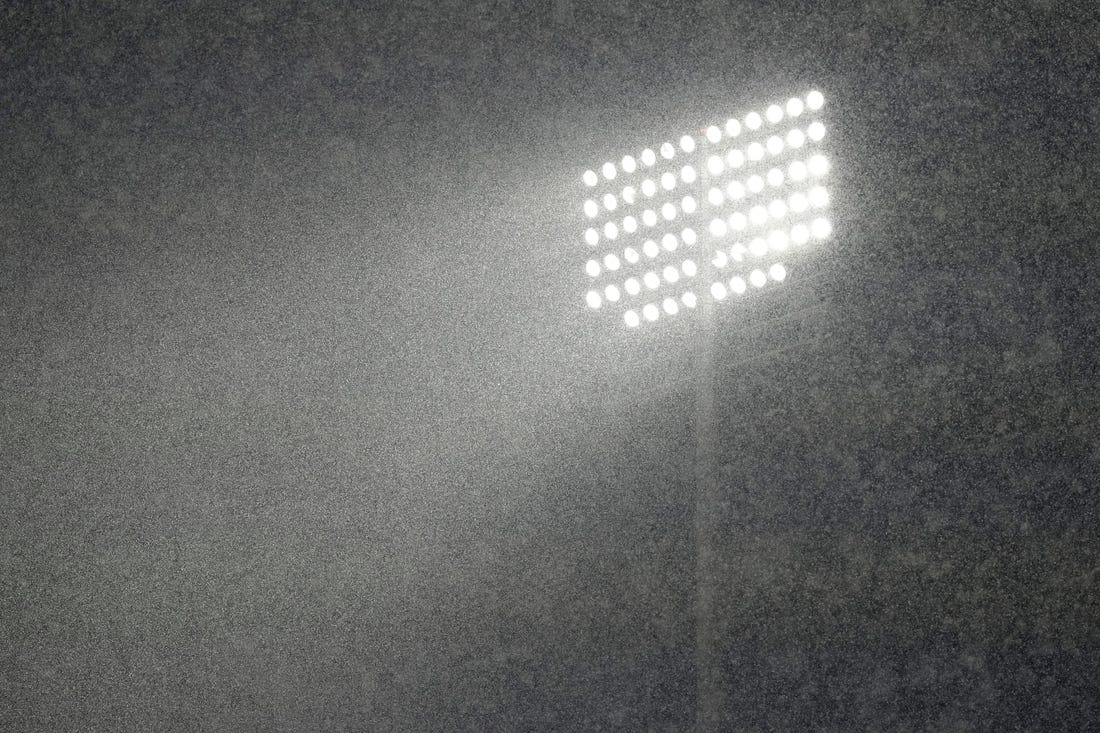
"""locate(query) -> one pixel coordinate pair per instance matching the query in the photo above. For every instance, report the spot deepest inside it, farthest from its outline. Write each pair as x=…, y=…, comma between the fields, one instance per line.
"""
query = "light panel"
x=718, y=211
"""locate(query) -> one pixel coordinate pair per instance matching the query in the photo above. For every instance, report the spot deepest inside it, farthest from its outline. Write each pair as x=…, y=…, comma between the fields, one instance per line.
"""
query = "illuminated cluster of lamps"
x=723, y=169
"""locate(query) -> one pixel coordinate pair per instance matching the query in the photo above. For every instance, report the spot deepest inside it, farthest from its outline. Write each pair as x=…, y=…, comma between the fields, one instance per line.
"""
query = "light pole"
x=683, y=228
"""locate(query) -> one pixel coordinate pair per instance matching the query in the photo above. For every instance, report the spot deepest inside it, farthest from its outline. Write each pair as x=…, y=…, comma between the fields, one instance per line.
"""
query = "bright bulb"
x=629, y=165
x=689, y=268
x=592, y=237
x=687, y=174
x=687, y=144
x=592, y=268
x=753, y=121
x=735, y=190
x=611, y=262
x=630, y=318
x=774, y=113
x=777, y=240
x=758, y=278
x=778, y=272
x=648, y=188
x=717, y=228
x=755, y=151
x=593, y=299
x=591, y=209
x=798, y=202
x=609, y=171
x=630, y=255
x=668, y=211
x=797, y=171
x=818, y=165
x=738, y=222
x=611, y=293
x=719, y=260
x=795, y=138
x=718, y=290
x=688, y=204
x=735, y=159
x=648, y=158
x=777, y=209
x=815, y=131
x=758, y=215
x=629, y=194
x=758, y=247
x=651, y=280
x=819, y=197
x=590, y=178
x=668, y=181
x=633, y=286
x=774, y=145
x=650, y=249
x=689, y=236
x=649, y=217
x=794, y=107
x=669, y=242
x=671, y=274
x=715, y=197
x=755, y=184
x=737, y=252
x=688, y=299
x=667, y=151
x=820, y=228
x=733, y=128
x=610, y=230
x=670, y=306
x=800, y=234
x=815, y=100
x=775, y=177
x=715, y=165
x=650, y=312
x=630, y=224
x=713, y=134
x=609, y=202
x=737, y=285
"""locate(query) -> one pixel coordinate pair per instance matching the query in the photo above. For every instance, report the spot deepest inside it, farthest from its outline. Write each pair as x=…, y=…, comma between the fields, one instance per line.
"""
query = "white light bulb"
x=753, y=121
x=670, y=306
x=778, y=272
x=668, y=181
x=648, y=188
x=715, y=197
x=797, y=170
x=592, y=237
x=630, y=255
x=815, y=131
x=688, y=204
x=592, y=268
x=738, y=252
x=629, y=194
x=668, y=211
x=633, y=286
x=820, y=228
x=775, y=177
x=611, y=293
x=689, y=236
x=818, y=165
x=630, y=318
x=718, y=290
x=758, y=215
x=651, y=280
x=777, y=209
x=758, y=278
x=713, y=134
x=755, y=151
x=669, y=242
x=650, y=312
x=795, y=138
x=687, y=174
x=671, y=274
x=610, y=230
x=609, y=202
x=733, y=127
x=774, y=145
x=590, y=178
x=800, y=234
x=735, y=158
x=667, y=151
x=649, y=217
x=738, y=222
x=687, y=144
x=629, y=165
x=609, y=171
x=819, y=197
x=630, y=224
x=774, y=113
x=815, y=100
x=719, y=260
x=777, y=240
x=717, y=228
x=798, y=202
x=758, y=247
x=648, y=158
x=735, y=190
x=650, y=248
x=593, y=299
x=715, y=165
x=689, y=268
x=591, y=209
x=688, y=299
x=737, y=284
x=755, y=184
x=794, y=107
x=611, y=262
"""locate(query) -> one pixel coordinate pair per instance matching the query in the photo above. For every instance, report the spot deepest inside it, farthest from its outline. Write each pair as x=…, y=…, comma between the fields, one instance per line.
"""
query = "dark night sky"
x=305, y=427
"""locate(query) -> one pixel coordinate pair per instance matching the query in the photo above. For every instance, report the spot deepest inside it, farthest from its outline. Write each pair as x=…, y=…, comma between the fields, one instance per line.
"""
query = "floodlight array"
x=714, y=215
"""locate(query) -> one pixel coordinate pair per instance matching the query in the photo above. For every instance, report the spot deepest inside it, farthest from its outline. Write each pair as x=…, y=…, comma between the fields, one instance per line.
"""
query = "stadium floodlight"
x=755, y=185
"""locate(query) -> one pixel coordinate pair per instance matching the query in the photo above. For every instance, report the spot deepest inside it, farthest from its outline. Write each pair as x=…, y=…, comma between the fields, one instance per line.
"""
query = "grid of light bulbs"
x=712, y=216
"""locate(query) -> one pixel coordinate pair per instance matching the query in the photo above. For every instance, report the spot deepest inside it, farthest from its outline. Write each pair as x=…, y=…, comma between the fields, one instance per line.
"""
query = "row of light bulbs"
x=774, y=114
x=715, y=165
